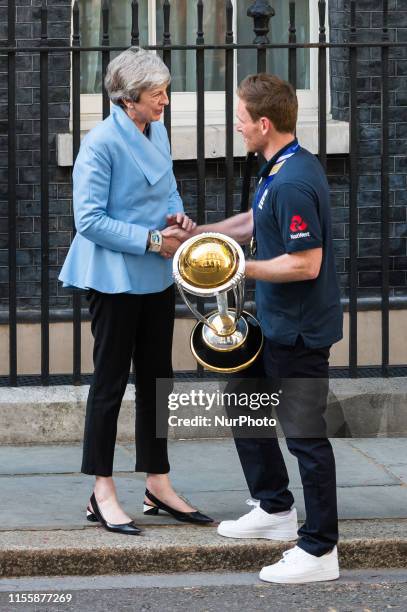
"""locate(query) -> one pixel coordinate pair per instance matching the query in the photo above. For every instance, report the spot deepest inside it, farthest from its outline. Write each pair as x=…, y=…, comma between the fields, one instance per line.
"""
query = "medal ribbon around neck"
x=263, y=188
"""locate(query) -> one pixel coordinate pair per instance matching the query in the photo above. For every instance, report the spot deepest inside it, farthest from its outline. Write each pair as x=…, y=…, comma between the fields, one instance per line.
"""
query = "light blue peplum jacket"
x=123, y=185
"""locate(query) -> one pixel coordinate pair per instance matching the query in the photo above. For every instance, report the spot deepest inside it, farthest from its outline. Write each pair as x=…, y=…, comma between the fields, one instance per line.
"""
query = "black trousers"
x=262, y=460
x=127, y=328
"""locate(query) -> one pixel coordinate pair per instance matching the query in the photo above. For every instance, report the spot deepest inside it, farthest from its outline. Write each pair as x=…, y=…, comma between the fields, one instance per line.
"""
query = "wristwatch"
x=154, y=241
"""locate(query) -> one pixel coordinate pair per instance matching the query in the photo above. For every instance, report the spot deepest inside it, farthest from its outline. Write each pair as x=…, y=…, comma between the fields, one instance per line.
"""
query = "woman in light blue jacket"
x=124, y=194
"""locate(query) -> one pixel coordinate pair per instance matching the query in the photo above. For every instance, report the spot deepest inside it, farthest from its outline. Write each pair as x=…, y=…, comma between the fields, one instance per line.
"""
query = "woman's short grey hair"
x=132, y=72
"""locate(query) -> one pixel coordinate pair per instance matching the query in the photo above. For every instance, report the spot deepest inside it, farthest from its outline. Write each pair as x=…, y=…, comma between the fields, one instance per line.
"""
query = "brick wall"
x=369, y=24
x=28, y=154
x=28, y=190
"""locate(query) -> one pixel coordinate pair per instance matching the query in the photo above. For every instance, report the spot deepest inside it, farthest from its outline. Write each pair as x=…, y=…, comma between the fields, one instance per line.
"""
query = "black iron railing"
x=261, y=12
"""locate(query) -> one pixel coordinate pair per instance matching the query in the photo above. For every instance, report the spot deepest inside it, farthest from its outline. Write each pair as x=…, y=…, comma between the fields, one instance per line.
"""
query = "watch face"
x=155, y=241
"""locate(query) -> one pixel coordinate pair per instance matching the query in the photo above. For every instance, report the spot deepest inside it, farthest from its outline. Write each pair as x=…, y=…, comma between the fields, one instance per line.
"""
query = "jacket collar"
x=266, y=168
x=150, y=154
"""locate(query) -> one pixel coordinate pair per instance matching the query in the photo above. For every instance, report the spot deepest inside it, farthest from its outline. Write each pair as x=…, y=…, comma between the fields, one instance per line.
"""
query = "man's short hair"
x=266, y=95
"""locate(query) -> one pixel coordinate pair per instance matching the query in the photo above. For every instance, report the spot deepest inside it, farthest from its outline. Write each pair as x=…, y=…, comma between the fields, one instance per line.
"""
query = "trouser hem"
x=90, y=472
x=274, y=510
x=317, y=550
x=152, y=469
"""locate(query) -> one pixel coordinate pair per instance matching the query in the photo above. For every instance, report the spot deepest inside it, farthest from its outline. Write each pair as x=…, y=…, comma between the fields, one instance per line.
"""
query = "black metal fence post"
x=200, y=134
x=167, y=62
x=76, y=141
x=229, y=99
x=200, y=114
x=353, y=203
x=385, y=192
x=292, y=52
x=261, y=12
x=105, y=55
x=12, y=196
x=44, y=198
x=322, y=85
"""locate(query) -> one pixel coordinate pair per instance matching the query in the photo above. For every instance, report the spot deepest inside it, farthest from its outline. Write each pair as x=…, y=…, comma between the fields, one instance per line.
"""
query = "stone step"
x=92, y=550
x=365, y=407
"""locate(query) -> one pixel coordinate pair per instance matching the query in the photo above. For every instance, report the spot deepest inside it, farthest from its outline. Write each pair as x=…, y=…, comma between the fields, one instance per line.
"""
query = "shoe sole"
x=320, y=576
x=265, y=534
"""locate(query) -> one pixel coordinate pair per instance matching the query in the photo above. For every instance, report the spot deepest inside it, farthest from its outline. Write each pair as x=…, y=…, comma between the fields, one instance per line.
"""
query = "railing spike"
x=200, y=32
x=322, y=13
x=105, y=22
x=385, y=19
x=44, y=22
x=352, y=19
x=229, y=22
x=167, y=15
x=75, y=24
x=292, y=52
x=135, y=34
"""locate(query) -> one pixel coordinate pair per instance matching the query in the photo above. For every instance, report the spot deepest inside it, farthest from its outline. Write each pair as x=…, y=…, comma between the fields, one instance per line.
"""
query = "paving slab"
x=58, y=502
x=372, y=502
x=385, y=451
x=60, y=459
x=399, y=471
x=214, y=465
x=41, y=487
x=195, y=463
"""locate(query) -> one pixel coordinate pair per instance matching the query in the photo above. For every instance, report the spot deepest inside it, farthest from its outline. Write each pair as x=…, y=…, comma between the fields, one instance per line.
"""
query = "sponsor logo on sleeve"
x=298, y=227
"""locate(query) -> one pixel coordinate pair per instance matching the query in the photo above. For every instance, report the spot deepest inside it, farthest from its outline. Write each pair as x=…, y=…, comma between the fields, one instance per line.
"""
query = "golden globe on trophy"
x=212, y=265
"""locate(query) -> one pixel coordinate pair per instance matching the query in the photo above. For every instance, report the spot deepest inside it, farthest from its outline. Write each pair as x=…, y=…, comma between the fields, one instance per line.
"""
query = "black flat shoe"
x=96, y=516
x=185, y=517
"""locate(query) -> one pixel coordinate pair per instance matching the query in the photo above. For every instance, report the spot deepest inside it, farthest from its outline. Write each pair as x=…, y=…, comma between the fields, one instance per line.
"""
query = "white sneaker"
x=260, y=524
x=298, y=566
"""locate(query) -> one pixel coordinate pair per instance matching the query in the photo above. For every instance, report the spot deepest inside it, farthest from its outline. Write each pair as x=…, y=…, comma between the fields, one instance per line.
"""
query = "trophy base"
x=228, y=342
x=236, y=358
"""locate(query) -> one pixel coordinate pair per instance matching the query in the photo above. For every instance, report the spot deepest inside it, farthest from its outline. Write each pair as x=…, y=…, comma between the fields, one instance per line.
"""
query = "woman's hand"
x=182, y=221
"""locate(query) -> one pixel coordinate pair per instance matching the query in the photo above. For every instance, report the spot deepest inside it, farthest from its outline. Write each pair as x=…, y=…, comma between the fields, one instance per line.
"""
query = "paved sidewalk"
x=42, y=514
x=41, y=486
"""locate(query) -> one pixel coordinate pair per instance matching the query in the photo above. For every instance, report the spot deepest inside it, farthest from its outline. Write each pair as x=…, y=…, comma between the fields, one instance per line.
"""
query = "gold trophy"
x=212, y=265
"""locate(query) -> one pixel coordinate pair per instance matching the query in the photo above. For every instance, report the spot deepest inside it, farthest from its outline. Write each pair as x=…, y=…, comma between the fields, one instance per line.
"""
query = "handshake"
x=179, y=228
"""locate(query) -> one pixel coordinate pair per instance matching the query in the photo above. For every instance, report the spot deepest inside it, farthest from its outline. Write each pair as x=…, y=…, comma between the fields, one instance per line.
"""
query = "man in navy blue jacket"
x=298, y=305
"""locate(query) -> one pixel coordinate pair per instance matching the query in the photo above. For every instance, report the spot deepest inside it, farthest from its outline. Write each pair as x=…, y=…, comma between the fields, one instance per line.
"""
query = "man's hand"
x=179, y=228
x=182, y=221
x=175, y=231
x=169, y=245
